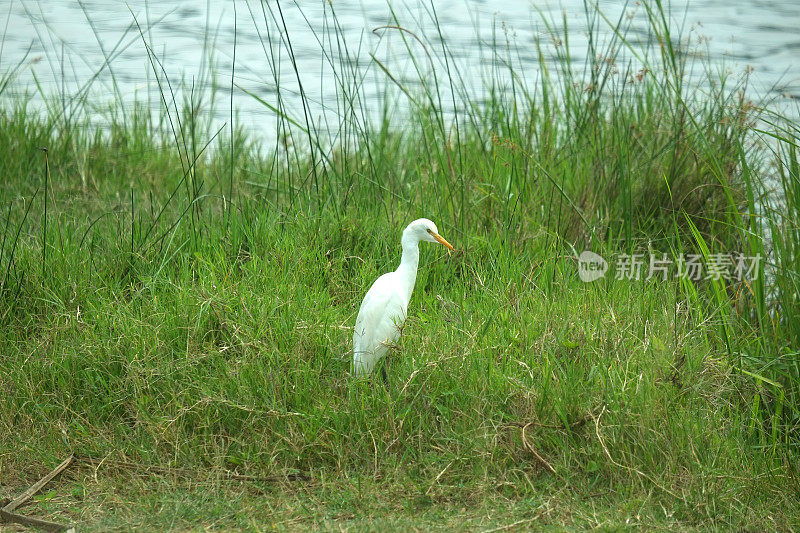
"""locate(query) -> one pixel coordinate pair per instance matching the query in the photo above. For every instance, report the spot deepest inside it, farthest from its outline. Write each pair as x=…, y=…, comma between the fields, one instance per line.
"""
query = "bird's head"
x=423, y=229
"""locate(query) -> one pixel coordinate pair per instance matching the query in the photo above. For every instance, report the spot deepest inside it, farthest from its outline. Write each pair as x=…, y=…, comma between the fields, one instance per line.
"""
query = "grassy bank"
x=172, y=304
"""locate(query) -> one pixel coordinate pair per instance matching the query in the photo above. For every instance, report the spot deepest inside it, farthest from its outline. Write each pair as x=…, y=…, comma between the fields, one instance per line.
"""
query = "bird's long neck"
x=407, y=271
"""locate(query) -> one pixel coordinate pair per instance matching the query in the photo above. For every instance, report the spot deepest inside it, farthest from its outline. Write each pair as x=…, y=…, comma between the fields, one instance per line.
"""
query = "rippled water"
x=63, y=44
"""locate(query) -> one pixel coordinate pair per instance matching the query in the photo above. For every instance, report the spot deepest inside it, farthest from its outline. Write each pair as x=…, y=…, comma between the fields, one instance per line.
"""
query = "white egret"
x=383, y=310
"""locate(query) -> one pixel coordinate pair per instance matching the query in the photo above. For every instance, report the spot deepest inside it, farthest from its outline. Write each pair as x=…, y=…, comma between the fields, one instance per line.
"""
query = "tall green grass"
x=186, y=296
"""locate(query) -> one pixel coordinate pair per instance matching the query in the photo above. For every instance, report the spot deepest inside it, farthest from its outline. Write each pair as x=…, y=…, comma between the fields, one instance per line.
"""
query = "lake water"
x=62, y=46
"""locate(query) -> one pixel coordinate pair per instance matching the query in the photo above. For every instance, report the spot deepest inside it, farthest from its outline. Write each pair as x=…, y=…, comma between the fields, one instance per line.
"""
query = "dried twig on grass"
x=14, y=518
x=36, y=487
x=8, y=507
x=534, y=452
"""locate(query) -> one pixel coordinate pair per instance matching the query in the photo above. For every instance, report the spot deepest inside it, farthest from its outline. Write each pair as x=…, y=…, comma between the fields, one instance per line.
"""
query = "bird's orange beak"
x=441, y=240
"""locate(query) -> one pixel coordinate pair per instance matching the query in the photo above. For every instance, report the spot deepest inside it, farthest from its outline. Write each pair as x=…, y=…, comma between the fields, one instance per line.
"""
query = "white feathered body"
x=379, y=323
x=383, y=310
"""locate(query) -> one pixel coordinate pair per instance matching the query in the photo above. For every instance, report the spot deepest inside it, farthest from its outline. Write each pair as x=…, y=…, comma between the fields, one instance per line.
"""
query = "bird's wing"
x=382, y=313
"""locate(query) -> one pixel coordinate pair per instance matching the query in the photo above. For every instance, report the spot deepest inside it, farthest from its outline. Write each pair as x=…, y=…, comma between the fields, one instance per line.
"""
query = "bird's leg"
x=383, y=374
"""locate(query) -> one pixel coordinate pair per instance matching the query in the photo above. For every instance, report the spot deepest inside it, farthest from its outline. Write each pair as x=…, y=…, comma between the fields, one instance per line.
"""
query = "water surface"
x=63, y=46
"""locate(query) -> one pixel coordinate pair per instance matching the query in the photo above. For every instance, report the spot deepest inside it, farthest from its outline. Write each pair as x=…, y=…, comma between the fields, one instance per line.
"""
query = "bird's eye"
x=429, y=231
